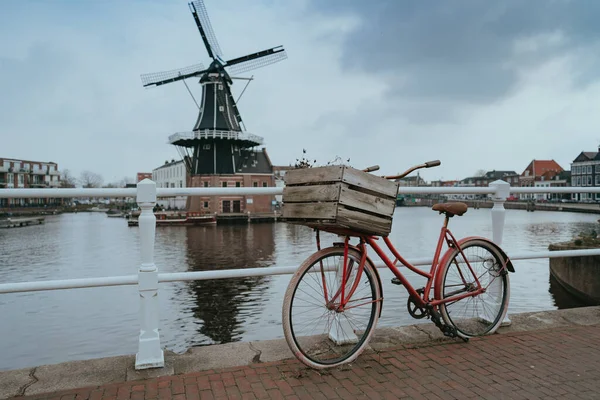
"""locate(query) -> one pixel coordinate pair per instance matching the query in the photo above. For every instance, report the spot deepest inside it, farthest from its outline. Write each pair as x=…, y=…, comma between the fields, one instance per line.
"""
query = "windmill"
x=217, y=144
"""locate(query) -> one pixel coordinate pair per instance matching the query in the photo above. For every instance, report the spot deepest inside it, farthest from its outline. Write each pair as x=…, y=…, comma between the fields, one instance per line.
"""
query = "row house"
x=171, y=174
x=585, y=171
x=540, y=173
x=21, y=174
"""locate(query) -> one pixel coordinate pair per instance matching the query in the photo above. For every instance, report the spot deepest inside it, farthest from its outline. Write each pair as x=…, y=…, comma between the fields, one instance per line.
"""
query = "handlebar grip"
x=371, y=169
x=430, y=164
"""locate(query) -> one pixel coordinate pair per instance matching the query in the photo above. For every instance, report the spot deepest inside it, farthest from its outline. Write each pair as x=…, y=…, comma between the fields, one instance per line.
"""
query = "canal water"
x=49, y=327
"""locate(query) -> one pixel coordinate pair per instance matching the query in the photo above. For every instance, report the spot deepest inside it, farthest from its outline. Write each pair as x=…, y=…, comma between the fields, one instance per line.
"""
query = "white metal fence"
x=150, y=353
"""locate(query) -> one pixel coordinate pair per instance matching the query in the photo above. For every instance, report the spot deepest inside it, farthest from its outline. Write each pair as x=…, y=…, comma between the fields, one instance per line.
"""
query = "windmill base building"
x=218, y=152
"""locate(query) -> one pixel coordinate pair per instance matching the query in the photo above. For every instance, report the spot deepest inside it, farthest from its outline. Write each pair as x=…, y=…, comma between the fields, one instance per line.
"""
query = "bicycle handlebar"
x=428, y=164
x=371, y=169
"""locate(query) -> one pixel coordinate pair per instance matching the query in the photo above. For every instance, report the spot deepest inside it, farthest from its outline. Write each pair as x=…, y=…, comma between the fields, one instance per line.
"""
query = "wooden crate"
x=339, y=199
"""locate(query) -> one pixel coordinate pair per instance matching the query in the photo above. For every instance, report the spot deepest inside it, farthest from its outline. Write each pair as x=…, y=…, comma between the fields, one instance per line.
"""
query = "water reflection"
x=562, y=298
x=221, y=307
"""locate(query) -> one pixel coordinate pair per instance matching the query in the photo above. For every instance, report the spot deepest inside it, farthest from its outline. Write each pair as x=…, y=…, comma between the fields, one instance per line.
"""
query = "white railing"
x=150, y=353
x=215, y=134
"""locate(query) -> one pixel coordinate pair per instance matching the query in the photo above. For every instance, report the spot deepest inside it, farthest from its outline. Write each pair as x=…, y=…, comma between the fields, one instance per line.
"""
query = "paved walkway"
x=557, y=363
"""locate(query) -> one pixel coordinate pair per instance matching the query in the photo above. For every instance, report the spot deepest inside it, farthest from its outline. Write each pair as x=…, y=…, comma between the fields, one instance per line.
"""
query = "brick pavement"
x=556, y=363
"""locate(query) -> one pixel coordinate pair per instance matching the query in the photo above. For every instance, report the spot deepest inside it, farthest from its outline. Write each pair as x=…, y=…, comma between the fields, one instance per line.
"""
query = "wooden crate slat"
x=368, y=202
x=314, y=175
x=365, y=223
x=296, y=194
x=311, y=211
x=370, y=182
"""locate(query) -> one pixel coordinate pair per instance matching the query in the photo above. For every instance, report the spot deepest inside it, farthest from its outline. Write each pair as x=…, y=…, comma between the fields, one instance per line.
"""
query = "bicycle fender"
x=509, y=264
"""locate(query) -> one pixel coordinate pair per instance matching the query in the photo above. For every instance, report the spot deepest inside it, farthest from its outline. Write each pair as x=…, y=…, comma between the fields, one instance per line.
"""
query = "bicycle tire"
x=488, y=319
x=301, y=345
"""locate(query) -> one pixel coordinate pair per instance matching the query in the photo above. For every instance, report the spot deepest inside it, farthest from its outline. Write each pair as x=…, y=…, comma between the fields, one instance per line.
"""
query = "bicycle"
x=341, y=289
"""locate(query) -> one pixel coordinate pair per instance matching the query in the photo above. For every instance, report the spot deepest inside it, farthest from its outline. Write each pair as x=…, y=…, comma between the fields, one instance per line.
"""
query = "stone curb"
x=101, y=371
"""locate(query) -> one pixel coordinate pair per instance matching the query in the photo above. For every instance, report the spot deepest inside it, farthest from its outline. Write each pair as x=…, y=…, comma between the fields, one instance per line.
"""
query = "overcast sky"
x=476, y=84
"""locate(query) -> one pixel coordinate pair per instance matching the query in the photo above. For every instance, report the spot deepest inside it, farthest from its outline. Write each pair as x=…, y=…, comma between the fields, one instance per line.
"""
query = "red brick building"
x=538, y=171
x=143, y=175
x=256, y=172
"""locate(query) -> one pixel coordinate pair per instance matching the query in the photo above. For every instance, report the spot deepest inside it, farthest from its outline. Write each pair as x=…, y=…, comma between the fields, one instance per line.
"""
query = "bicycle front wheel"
x=319, y=332
x=481, y=314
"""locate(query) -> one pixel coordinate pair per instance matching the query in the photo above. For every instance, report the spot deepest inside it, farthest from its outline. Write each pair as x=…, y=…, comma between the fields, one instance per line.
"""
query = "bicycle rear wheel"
x=475, y=315
x=318, y=334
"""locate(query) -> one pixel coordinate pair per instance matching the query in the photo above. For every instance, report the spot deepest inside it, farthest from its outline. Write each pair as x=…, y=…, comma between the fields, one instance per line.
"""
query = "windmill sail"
x=208, y=35
x=160, y=78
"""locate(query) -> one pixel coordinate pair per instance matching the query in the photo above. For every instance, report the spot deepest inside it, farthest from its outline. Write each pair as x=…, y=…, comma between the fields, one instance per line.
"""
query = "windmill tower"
x=218, y=152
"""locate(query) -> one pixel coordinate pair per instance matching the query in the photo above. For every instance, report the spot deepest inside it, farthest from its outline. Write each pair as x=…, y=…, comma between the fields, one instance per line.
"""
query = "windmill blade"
x=160, y=78
x=256, y=60
x=206, y=31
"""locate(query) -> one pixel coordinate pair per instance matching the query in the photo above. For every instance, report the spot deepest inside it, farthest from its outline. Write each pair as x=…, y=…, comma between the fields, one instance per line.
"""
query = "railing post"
x=501, y=192
x=150, y=354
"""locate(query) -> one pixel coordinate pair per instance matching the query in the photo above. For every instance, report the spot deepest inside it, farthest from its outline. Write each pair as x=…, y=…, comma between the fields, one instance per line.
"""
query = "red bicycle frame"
x=420, y=301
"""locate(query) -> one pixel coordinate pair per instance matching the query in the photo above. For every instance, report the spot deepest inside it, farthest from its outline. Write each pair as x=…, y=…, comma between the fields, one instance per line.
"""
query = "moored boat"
x=175, y=218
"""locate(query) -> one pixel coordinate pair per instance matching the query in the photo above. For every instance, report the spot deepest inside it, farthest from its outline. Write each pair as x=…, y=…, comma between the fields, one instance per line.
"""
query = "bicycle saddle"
x=451, y=209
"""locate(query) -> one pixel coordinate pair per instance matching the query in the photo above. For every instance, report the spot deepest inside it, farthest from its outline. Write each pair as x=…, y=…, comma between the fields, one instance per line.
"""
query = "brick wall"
x=253, y=204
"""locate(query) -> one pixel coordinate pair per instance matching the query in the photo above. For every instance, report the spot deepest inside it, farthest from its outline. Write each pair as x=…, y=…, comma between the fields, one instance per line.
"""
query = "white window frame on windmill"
x=220, y=86
x=221, y=108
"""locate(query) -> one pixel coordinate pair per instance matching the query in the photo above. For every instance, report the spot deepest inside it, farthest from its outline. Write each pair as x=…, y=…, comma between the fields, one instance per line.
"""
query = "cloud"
x=466, y=51
x=476, y=84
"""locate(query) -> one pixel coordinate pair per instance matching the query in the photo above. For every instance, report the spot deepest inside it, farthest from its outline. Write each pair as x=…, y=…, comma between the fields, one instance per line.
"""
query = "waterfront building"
x=538, y=171
x=585, y=171
x=21, y=174
x=143, y=175
x=279, y=176
x=172, y=174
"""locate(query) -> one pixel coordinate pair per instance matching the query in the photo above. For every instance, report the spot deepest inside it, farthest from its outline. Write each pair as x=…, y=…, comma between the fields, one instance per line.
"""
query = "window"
x=221, y=108
x=220, y=87
x=598, y=168
x=181, y=184
x=224, y=184
x=238, y=184
x=589, y=169
x=20, y=179
x=206, y=147
x=589, y=179
x=172, y=184
x=206, y=204
x=254, y=184
x=264, y=184
x=205, y=184
x=597, y=180
x=578, y=182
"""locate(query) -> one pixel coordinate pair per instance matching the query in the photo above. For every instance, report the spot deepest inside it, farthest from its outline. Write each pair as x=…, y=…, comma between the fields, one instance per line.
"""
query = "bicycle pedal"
x=396, y=281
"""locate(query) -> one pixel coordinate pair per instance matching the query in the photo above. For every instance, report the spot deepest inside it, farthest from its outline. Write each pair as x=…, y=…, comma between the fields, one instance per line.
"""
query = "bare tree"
x=90, y=179
x=125, y=181
x=67, y=180
x=480, y=172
